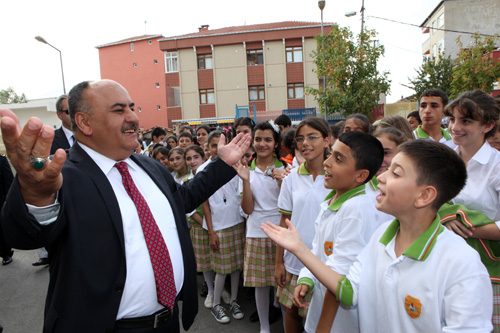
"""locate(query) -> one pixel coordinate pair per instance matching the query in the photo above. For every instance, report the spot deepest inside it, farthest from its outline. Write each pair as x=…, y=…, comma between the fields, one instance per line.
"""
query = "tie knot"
x=122, y=167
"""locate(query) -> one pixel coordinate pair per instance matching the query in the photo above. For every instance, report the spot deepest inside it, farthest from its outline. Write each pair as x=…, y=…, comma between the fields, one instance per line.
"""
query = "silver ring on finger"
x=38, y=162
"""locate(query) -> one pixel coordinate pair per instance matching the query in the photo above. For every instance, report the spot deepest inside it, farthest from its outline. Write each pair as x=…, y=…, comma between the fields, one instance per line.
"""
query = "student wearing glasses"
x=301, y=195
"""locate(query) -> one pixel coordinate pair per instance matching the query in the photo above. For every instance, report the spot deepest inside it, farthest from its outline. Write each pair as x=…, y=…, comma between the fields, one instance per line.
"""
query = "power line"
x=418, y=26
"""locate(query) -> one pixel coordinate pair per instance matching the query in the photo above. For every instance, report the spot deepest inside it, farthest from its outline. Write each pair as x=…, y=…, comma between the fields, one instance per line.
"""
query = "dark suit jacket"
x=86, y=242
x=60, y=141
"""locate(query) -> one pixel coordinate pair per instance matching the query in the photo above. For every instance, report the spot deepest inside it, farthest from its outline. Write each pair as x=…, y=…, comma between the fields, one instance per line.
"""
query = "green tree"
x=9, y=96
x=434, y=73
x=353, y=83
x=475, y=69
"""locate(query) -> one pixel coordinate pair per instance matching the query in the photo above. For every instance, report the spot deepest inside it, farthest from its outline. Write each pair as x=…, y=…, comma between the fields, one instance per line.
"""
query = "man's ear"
x=426, y=197
x=362, y=176
x=83, y=123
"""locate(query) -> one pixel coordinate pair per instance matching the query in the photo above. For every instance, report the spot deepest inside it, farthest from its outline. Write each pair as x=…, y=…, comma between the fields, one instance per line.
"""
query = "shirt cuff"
x=45, y=215
x=308, y=282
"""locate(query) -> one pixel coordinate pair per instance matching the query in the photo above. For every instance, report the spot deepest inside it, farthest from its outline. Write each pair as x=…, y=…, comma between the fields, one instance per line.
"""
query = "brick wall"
x=259, y=106
x=206, y=79
x=296, y=103
x=294, y=72
x=255, y=75
x=207, y=111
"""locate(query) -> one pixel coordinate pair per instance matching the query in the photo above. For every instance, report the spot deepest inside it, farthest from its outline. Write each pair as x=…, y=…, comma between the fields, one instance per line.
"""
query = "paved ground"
x=23, y=289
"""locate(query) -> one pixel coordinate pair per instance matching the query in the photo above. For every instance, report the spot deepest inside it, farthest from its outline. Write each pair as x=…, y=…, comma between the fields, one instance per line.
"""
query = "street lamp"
x=42, y=40
x=362, y=11
x=321, y=5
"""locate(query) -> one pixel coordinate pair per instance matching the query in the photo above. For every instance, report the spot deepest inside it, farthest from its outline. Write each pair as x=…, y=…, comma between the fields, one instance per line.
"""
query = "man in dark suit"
x=101, y=273
x=63, y=136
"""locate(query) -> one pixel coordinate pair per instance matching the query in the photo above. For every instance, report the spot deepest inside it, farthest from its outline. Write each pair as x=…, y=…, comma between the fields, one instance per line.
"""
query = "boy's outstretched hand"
x=286, y=238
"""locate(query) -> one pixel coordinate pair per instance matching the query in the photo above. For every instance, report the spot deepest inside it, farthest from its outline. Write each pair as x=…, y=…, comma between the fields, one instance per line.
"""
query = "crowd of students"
x=354, y=226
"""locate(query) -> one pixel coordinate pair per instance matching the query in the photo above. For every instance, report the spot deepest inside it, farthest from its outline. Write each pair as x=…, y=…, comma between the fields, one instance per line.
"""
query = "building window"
x=207, y=96
x=173, y=96
x=256, y=93
x=155, y=61
x=139, y=109
x=157, y=85
x=205, y=61
x=135, y=64
x=440, y=47
x=171, y=62
x=131, y=47
x=158, y=107
x=295, y=90
x=150, y=42
x=434, y=50
x=433, y=26
x=255, y=57
x=294, y=54
x=440, y=21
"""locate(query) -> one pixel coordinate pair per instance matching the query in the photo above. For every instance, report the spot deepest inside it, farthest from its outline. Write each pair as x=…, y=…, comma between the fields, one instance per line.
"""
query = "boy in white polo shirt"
x=431, y=111
x=345, y=223
x=414, y=275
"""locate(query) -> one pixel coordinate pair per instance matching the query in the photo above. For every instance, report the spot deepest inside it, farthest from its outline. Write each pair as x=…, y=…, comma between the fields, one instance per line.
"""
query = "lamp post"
x=321, y=5
x=42, y=40
x=349, y=14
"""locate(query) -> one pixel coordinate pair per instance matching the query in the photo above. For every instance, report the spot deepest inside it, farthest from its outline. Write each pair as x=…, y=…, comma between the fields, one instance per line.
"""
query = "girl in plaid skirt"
x=259, y=187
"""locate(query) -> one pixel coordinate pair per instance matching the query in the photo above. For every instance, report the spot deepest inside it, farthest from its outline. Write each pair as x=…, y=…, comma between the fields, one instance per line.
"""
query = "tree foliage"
x=9, y=96
x=475, y=69
x=353, y=83
x=434, y=73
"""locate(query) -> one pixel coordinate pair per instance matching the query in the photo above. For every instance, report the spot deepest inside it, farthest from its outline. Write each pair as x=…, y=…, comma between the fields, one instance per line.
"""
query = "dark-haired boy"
x=345, y=223
x=431, y=110
x=414, y=275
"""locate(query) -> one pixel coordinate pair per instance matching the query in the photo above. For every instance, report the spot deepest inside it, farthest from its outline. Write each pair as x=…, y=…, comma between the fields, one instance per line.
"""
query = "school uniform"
x=228, y=224
x=180, y=179
x=300, y=197
x=482, y=193
x=446, y=139
x=343, y=228
x=437, y=285
x=260, y=250
x=372, y=192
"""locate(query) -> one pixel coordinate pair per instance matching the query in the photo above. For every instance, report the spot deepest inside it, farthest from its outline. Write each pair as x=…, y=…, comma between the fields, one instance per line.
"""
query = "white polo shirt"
x=437, y=285
x=482, y=189
x=446, y=139
x=301, y=196
x=343, y=228
x=265, y=192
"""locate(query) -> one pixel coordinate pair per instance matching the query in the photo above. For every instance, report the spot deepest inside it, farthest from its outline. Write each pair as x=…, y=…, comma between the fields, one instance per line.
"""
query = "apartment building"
x=451, y=17
x=209, y=73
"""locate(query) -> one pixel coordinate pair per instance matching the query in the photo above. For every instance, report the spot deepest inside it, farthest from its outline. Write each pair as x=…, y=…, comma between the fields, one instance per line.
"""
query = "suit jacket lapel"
x=83, y=161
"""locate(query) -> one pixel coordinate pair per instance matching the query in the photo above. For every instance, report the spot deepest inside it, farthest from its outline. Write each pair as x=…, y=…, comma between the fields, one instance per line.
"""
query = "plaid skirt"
x=201, y=246
x=496, y=307
x=229, y=257
x=285, y=295
x=258, y=269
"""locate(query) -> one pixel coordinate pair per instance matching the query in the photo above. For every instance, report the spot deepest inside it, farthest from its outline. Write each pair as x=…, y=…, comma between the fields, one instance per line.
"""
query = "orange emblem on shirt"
x=413, y=306
x=328, y=248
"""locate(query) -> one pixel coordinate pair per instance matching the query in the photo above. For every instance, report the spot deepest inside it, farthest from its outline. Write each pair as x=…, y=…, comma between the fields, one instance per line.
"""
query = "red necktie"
x=158, y=252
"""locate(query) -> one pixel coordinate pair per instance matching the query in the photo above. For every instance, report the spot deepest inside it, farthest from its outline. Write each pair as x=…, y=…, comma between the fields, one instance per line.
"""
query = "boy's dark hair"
x=186, y=127
x=214, y=134
x=436, y=165
x=158, y=131
x=476, y=105
x=362, y=121
x=243, y=121
x=283, y=120
x=335, y=131
x=276, y=136
x=196, y=148
x=366, y=150
x=435, y=92
x=415, y=115
x=187, y=135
